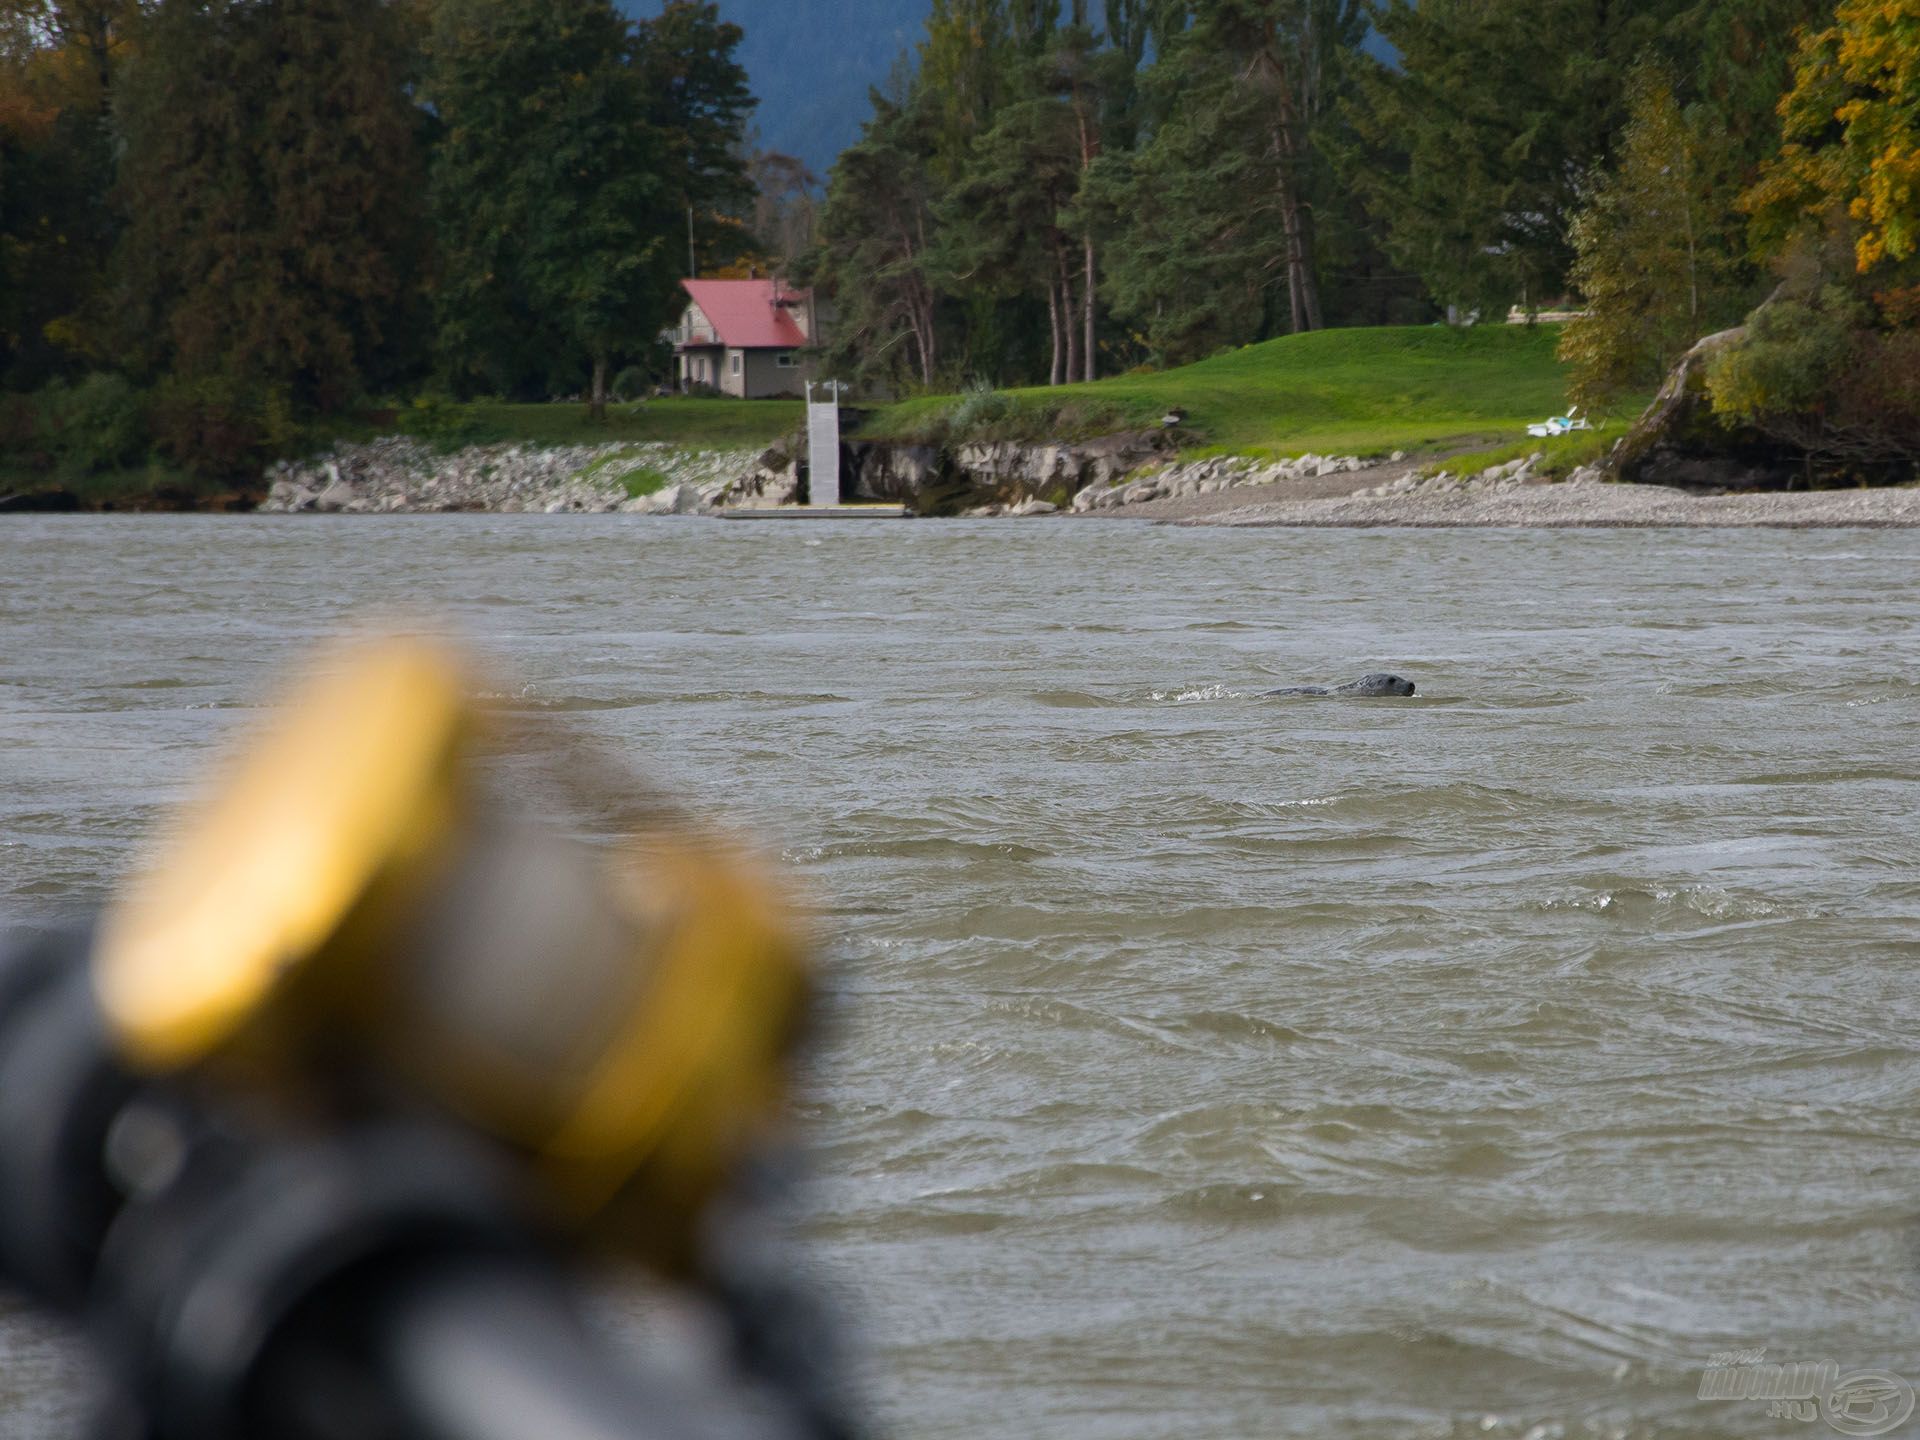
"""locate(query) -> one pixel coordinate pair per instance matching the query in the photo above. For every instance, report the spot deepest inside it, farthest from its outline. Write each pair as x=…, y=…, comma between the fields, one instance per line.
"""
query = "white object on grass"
x=1560, y=425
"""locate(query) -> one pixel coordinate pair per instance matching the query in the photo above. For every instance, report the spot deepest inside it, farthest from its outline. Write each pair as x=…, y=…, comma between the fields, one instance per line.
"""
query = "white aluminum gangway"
x=823, y=443
x=823, y=470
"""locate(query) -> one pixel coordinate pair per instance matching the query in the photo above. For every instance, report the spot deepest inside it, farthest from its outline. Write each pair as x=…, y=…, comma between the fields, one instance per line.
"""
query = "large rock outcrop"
x=1680, y=442
x=934, y=480
x=917, y=476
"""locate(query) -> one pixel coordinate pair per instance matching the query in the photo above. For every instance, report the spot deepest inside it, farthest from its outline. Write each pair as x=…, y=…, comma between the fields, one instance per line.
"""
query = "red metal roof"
x=744, y=315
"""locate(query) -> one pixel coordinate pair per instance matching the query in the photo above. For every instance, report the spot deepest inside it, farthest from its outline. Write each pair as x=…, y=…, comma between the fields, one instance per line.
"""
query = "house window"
x=784, y=360
x=735, y=361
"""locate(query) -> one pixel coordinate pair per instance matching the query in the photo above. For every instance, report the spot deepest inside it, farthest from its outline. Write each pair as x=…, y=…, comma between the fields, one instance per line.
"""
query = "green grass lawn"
x=707, y=424
x=1333, y=391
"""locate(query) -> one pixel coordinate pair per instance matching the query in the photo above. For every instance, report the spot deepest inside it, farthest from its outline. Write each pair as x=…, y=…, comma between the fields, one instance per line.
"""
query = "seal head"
x=1368, y=686
x=1378, y=683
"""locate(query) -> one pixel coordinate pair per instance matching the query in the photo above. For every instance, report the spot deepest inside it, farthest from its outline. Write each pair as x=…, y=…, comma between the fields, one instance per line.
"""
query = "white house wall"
x=695, y=328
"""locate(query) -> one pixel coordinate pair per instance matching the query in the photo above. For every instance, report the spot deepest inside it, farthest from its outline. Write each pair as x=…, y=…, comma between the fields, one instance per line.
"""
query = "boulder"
x=875, y=470
x=337, y=496
x=1679, y=441
x=681, y=499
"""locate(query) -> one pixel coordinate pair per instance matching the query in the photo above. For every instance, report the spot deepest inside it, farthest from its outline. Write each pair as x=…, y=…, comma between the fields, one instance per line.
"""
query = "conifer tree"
x=58, y=63
x=553, y=193
x=1216, y=236
x=1483, y=133
x=960, y=81
x=877, y=233
x=1006, y=228
x=270, y=180
x=698, y=102
x=1657, y=250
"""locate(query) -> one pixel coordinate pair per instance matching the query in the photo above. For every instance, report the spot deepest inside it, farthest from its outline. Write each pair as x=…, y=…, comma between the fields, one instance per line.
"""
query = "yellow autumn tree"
x=1820, y=369
x=1852, y=134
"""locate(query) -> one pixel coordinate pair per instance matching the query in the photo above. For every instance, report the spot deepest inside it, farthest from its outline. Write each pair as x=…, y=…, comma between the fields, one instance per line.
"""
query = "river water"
x=1206, y=1066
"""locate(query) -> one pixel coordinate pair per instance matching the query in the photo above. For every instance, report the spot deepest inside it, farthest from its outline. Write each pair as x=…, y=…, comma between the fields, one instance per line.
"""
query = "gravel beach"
x=1337, y=502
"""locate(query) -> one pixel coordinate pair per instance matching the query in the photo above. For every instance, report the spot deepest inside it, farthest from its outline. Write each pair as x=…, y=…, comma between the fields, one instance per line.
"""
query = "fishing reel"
x=310, y=1124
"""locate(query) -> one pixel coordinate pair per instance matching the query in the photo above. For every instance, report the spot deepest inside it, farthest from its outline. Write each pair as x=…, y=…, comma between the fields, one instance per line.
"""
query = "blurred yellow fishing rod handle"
x=337, y=813
x=355, y=918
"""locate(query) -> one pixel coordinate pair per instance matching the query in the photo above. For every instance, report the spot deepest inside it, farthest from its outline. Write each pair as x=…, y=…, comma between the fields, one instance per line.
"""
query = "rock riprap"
x=1206, y=477
x=397, y=475
x=1513, y=475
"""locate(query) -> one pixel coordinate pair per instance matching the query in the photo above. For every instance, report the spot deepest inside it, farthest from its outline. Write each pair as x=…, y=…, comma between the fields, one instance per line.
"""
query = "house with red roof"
x=744, y=337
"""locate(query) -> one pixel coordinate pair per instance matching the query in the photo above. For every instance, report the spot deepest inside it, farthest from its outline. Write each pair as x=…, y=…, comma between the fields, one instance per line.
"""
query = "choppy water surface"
x=1207, y=1066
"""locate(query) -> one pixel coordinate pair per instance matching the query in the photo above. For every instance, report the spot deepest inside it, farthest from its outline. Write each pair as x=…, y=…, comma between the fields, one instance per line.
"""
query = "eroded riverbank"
x=1125, y=477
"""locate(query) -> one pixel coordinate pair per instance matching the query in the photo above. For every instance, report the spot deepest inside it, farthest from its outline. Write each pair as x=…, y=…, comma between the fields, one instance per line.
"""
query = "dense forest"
x=1042, y=199
x=221, y=221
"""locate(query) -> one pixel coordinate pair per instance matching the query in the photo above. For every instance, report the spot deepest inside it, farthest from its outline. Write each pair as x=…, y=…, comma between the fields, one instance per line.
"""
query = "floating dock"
x=815, y=512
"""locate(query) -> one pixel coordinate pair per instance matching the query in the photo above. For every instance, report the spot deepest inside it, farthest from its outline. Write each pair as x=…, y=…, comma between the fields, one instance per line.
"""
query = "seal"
x=1369, y=686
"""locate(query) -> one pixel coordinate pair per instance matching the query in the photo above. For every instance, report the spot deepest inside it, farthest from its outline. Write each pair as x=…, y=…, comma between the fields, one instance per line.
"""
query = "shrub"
x=1874, y=410
x=445, y=424
x=1792, y=351
x=980, y=408
x=1899, y=308
x=99, y=424
x=631, y=383
x=1085, y=418
x=21, y=440
x=221, y=427
x=1813, y=374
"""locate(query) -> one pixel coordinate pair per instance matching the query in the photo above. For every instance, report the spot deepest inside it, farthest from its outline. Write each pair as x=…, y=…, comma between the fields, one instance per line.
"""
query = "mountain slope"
x=811, y=62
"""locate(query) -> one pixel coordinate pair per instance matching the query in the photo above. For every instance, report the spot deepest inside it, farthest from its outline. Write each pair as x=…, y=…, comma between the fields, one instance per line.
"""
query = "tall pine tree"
x=551, y=190
x=1484, y=130
x=698, y=102
x=59, y=60
x=1658, y=252
x=1217, y=236
x=270, y=179
x=876, y=255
